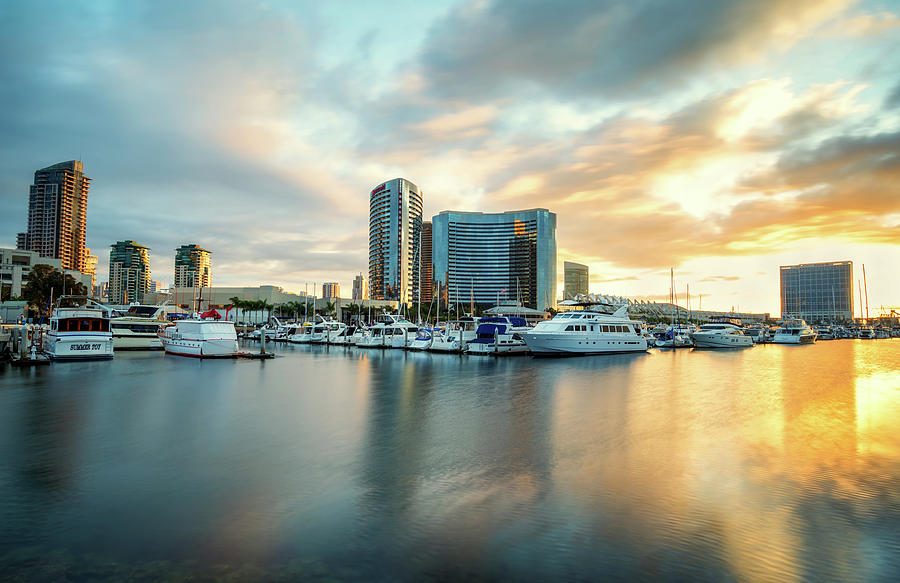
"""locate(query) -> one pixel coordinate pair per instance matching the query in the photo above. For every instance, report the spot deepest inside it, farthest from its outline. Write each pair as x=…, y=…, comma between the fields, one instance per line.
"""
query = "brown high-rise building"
x=57, y=214
x=426, y=271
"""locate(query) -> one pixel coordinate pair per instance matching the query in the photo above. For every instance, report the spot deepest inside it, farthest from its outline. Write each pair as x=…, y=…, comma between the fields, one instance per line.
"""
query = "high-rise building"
x=360, y=288
x=331, y=289
x=90, y=265
x=426, y=267
x=129, y=272
x=483, y=257
x=156, y=285
x=576, y=279
x=57, y=214
x=192, y=267
x=818, y=292
x=395, y=226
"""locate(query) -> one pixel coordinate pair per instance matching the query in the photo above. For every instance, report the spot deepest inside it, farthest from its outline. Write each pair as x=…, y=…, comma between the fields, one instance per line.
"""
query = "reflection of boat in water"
x=721, y=333
x=499, y=335
x=79, y=330
x=586, y=332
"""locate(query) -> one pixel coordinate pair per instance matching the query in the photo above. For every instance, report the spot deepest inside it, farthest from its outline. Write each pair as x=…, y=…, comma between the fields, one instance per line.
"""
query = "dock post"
x=262, y=342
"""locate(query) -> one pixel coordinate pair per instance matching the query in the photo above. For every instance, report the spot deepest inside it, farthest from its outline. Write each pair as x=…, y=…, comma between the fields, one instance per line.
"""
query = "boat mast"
x=860, y=298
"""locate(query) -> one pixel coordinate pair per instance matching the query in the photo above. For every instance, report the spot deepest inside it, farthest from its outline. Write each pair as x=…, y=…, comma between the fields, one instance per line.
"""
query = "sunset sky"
x=720, y=138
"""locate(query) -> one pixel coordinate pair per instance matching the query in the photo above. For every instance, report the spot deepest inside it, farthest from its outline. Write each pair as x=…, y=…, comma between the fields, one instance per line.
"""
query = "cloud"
x=605, y=48
x=862, y=25
x=718, y=278
x=601, y=279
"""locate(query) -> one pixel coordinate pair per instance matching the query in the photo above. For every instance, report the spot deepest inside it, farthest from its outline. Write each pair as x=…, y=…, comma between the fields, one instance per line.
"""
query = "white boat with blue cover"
x=497, y=335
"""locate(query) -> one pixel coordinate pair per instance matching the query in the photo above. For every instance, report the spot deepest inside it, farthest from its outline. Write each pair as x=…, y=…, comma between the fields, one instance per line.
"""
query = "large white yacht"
x=499, y=335
x=794, y=331
x=138, y=328
x=200, y=338
x=721, y=333
x=79, y=330
x=586, y=332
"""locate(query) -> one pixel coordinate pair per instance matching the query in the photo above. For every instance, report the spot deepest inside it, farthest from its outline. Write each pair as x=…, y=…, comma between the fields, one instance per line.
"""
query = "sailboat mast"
x=859, y=286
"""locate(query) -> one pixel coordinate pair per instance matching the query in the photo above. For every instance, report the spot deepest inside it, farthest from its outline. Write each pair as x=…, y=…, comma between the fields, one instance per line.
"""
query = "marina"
x=378, y=465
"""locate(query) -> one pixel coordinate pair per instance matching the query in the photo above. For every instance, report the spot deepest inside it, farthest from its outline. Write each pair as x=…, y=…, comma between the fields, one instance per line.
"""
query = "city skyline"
x=753, y=135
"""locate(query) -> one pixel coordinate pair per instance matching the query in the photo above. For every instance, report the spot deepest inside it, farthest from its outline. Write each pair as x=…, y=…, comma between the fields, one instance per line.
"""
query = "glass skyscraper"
x=395, y=228
x=576, y=278
x=129, y=272
x=818, y=292
x=192, y=267
x=481, y=257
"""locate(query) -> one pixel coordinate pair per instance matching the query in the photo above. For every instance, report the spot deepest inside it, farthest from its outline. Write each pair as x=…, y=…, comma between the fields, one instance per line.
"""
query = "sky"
x=718, y=138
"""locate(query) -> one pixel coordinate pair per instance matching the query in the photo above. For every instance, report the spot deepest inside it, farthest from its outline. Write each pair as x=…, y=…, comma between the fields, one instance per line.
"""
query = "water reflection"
x=773, y=463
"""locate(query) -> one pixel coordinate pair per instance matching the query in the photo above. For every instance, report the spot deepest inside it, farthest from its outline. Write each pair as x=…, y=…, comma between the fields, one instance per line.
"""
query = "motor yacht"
x=586, y=332
x=201, y=338
x=323, y=332
x=344, y=337
x=499, y=335
x=824, y=333
x=79, y=330
x=721, y=333
x=677, y=336
x=138, y=328
x=399, y=333
x=794, y=331
x=456, y=335
x=302, y=334
x=866, y=333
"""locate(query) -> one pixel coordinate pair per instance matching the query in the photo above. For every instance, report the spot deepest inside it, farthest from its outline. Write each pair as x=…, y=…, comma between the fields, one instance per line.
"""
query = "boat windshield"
x=143, y=311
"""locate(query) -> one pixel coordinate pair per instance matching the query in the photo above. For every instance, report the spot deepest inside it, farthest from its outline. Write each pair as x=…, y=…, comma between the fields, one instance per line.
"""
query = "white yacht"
x=138, y=328
x=423, y=339
x=824, y=333
x=344, y=337
x=499, y=335
x=794, y=331
x=399, y=333
x=324, y=332
x=302, y=334
x=677, y=336
x=79, y=330
x=586, y=332
x=200, y=338
x=721, y=333
x=456, y=336
x=866, y=333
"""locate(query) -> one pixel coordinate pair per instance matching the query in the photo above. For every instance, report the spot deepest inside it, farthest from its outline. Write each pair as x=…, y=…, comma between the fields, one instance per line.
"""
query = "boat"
x=677, y=336
x=721, y=333
x=758, y=333
x=344, y=337
x=302, y=334
x=499, y=335
x=201, y=338
x=456, y=335
x=79, y=330
x=824, y=333
x=399, y=333
x=323, y=332
x=866, y=333
x=586, y=332
x=423, y=339
x=138, y=328
x=794, y=331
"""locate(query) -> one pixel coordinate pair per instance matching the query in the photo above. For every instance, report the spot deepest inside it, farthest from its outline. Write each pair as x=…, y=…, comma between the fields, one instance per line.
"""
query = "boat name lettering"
x=86, y=347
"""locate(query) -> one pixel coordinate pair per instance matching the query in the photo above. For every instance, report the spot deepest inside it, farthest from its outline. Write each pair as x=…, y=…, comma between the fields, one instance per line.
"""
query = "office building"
x=192, y=267
x=360, y=288
x=129, y=272
x=576, y=280
x=331, y=289
x=482, y=257
x=16, y=264
x=426, y=267
x=57, y=214
x=395, y=225
x=156, y=285
x=818, y=292
x=90, y=265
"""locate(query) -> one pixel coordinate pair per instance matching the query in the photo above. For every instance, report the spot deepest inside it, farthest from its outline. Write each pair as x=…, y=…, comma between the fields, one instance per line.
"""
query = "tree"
x=45, y=281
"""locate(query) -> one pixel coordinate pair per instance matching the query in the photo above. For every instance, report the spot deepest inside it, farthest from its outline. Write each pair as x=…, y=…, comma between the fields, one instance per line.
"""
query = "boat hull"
x=702, y=340
x=793, y=338
x=79, y=347
x=208, y=348
x=553, y=344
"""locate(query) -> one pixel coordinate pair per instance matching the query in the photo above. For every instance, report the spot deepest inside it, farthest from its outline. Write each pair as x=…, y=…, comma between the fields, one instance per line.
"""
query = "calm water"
x=777, y=463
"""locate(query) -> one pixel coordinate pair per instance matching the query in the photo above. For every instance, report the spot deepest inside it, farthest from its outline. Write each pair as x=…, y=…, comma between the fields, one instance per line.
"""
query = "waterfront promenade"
x=776, y=463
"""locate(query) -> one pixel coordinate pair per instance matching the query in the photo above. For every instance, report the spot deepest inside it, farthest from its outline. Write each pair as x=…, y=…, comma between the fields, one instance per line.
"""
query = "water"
x=776, y=463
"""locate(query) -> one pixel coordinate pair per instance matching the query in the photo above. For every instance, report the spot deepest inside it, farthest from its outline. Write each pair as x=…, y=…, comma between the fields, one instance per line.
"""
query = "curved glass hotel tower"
x=489, y=256
x=395, y=227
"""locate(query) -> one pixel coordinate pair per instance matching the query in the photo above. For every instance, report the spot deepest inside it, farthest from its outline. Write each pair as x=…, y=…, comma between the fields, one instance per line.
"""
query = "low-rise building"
x=16, y=264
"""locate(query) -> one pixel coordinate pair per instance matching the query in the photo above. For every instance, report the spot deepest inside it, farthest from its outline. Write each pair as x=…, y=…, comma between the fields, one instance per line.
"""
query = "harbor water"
x=775, y=463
